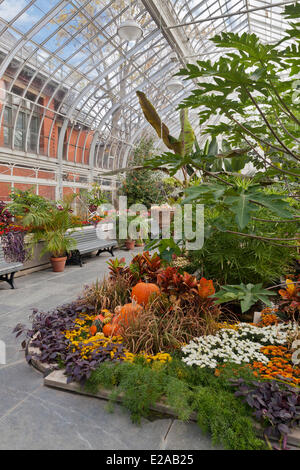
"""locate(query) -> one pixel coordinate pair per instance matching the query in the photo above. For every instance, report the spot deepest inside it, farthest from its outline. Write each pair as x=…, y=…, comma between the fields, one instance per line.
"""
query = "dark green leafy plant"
x=229, y=259
x=261, y=124
x=46, y=220
x=94, y=197
x=247, y=295
x=242, y=198
x=51, y=226
x=24, y=201
x=144, y=186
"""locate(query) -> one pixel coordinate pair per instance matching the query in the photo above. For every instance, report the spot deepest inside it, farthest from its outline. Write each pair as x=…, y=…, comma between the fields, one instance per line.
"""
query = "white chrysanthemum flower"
x=242, y=345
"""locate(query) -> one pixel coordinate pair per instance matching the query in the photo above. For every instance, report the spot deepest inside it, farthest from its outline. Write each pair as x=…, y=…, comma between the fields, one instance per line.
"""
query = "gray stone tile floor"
x=36, y=417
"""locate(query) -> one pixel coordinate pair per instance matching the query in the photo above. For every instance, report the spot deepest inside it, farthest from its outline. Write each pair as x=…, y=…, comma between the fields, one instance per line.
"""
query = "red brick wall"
x=24, y=172
x=47, y=191
x=48, y=175
x=4, y=191
x=25, y=186
x=67, y=190
x=82, y=156
x=46, y=130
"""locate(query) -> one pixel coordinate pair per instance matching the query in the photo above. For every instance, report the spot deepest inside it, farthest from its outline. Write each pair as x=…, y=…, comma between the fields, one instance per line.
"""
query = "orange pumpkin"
x=93, y=330
x=142, y=292
x=128, y=313
x=109, y=329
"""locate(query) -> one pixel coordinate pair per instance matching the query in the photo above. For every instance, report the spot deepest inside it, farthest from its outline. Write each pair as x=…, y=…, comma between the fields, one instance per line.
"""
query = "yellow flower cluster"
x=228, y=326
x=159, y=357
x=80, y=339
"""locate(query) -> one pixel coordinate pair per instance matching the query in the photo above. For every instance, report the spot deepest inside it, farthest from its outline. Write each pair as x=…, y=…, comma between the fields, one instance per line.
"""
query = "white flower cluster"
x=272, y=334
x=238, y=346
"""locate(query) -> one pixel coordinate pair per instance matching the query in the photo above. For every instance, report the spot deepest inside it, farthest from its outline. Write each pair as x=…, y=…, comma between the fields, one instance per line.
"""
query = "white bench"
x=88, y=241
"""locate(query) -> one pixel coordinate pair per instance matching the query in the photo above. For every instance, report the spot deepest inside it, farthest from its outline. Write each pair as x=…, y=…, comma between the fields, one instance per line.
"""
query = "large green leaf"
x=203, y=193
x=213, y=147
x=181, y=146
x=241, y=206
x=247, y=295
x=187, y=136
x=161, y=128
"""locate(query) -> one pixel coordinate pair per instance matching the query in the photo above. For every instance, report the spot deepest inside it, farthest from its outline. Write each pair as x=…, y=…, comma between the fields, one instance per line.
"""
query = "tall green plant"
x=254, y=92
x=182, y=145
x=144, y=186
x=49, y=222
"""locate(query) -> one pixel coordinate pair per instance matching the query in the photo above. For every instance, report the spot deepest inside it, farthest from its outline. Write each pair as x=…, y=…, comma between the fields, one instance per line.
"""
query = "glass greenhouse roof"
x=70, y=51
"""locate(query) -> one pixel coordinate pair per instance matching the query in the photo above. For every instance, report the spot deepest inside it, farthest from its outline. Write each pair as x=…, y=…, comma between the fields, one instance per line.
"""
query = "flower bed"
x=165, y=339
x=12, y=236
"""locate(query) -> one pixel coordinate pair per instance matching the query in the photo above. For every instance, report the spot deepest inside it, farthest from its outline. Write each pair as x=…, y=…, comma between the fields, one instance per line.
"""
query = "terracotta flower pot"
x=58, y=264
x=139, y=243
x=130, y=244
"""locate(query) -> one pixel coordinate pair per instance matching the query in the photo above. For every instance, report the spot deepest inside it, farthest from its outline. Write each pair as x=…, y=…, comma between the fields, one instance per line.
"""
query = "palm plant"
x=50, y=223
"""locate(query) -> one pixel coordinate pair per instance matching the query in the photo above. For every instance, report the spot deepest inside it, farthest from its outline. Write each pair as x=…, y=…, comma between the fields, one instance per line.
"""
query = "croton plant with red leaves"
x=143, y=267
x=290, y=302
x=147, y=268
x=206, y=288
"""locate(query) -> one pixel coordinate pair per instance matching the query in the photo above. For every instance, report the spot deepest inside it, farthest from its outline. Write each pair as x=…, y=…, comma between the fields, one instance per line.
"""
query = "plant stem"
x=270, y=127
x=259, y=237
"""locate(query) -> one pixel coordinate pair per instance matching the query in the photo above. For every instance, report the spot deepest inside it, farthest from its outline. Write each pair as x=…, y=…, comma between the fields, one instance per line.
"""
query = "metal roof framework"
x=71, y=52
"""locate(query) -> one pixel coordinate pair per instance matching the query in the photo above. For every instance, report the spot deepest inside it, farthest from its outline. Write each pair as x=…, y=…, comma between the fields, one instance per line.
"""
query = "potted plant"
x=57, y=241
x=130, y=244
x=50, y=222
x=140, y=242
x=142, y=222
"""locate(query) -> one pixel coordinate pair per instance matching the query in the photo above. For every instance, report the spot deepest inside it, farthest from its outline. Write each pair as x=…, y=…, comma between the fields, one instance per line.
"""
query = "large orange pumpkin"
x=142, y=292
x=127, y=313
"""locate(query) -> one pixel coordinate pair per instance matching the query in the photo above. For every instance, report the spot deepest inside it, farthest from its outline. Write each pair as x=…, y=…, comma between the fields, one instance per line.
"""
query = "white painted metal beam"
x=165, y=20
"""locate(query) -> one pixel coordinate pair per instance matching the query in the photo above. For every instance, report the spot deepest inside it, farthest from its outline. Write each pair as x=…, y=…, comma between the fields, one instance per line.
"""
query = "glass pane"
x=7, y=116
x=19, y=139
x=7, y=136
x=20, y=121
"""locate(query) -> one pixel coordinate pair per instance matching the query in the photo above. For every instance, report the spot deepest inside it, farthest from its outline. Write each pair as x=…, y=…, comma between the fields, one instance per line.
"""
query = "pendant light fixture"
x=174, y=85
x=130, y=30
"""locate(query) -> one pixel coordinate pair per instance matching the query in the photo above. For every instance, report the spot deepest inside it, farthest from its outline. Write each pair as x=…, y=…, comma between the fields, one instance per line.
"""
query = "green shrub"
x=230, y=259
x=144, y=186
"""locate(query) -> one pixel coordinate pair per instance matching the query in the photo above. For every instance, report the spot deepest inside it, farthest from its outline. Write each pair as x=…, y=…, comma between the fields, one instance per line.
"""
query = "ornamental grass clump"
x=164, y=325
x=107, y=294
